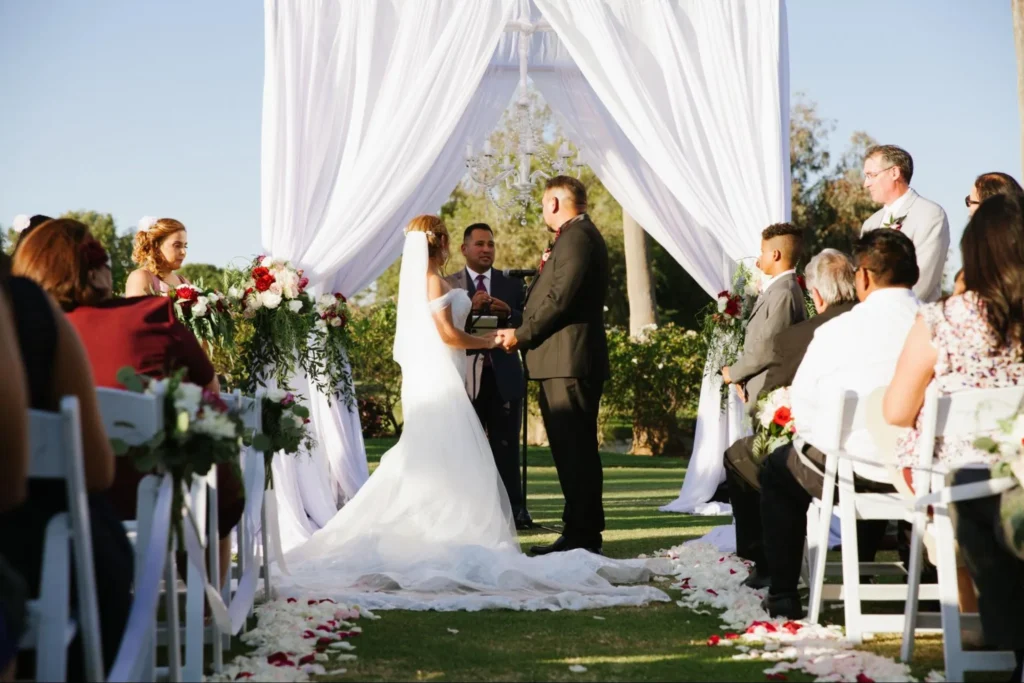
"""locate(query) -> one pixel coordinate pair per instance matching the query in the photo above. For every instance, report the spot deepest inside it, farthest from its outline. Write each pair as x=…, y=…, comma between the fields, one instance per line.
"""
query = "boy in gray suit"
x=780, y=305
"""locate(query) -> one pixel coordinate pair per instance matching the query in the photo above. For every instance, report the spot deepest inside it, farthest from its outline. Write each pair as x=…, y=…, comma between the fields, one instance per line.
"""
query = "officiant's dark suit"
x=499, y=390
x=566, y=349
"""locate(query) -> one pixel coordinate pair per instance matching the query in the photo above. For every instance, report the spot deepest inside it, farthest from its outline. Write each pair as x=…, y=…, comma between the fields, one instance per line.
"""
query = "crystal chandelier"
x=509, y=185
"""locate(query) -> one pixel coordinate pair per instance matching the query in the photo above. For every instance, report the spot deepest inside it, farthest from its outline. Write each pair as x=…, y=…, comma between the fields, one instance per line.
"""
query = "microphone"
x=519, y=272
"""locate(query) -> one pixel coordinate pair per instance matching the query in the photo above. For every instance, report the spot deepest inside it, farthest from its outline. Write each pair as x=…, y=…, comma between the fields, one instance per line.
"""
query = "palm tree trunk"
x=639, y=279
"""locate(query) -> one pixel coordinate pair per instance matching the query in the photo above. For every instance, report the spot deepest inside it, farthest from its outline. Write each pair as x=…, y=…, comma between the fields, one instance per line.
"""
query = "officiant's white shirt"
x=473, y=276
x=857, y=351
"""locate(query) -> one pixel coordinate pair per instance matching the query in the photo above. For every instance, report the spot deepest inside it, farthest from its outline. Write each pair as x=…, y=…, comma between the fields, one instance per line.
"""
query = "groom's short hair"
x=889, y=256
x=571, y=185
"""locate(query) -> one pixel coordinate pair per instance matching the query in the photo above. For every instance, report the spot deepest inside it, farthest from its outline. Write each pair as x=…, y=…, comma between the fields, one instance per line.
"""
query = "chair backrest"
x=56, y=452
x=964, y=414
x=249, y=407
x=846, y=412
x=132, y=417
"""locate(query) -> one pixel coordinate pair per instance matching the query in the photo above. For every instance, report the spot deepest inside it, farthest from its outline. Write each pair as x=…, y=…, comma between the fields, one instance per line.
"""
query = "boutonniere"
x=894, y=222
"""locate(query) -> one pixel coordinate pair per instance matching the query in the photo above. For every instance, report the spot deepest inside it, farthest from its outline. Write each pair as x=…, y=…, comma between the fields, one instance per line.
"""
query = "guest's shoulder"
x=874, y=220
x=923, y=205
x=149, y=309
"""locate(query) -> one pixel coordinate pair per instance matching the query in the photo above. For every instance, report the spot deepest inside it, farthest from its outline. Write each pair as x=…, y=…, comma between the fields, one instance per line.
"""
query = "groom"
x=563, y=331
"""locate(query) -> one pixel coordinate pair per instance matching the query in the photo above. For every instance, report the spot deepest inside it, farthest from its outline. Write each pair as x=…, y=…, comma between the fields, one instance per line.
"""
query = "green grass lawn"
x=659, y=642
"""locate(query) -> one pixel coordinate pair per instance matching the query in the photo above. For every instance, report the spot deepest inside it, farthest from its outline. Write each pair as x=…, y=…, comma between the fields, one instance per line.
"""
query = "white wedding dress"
x=432, y=527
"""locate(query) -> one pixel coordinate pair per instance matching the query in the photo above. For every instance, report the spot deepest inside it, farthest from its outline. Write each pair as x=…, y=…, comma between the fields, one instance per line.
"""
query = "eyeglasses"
x=968, y=202
x=872, y=176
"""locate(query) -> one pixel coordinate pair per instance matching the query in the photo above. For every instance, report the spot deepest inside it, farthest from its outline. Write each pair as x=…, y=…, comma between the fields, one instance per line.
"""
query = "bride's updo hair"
x=146, y=252
x=437, y=233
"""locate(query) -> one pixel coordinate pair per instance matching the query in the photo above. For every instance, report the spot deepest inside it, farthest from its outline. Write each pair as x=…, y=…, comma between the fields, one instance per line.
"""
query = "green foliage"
x=206, y=274
x=375, y=373
x=284, y=429
x=655, y=380
x=119, y=246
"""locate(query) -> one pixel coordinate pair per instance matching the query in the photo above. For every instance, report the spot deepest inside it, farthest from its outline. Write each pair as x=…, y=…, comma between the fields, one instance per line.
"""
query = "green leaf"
x=130, y=379
x=987, y=443
x=301, y=411
x=262, y=443
x=119, y=446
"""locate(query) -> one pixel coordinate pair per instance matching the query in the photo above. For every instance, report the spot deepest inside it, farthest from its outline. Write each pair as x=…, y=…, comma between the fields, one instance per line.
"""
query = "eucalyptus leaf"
x=987, y=443
x=261, y=442
x=301, y=411
x=119, y=446
x=130, y=379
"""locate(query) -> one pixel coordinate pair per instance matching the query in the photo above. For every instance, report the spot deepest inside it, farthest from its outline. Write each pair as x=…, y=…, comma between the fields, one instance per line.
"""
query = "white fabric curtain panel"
x=700, y=89
x=367, y=107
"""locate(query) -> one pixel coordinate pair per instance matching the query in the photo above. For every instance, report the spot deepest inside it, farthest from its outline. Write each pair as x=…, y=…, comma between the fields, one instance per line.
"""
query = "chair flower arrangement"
x=724, y=322
x=200, y=432
x=1009, y=444
x=285, y=428
x=774, y=426
x=206, y=312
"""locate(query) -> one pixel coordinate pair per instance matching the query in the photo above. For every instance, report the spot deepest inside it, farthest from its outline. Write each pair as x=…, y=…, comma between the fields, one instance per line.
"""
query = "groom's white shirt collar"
x=473, y=275
x=772, y=280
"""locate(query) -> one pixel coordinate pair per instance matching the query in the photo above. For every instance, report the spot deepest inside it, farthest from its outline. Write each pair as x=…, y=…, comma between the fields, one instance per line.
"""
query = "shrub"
x=375, y=373
x=655, y=381
x=371, y=417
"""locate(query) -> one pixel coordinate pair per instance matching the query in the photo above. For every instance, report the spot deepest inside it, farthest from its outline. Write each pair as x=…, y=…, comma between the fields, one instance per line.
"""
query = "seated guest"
x=887, y=173
x=989, y=185
x=780, y=304
x=160, y=249
x=141, y=333
x=973, y=340
x=55, y=365
x=855, y=351
x=13, y=487
x=830, y=282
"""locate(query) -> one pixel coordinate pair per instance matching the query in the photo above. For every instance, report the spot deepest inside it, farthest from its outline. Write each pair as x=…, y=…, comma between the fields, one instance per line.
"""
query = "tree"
x=208, y=275
x=639, y=276
x=119, y=246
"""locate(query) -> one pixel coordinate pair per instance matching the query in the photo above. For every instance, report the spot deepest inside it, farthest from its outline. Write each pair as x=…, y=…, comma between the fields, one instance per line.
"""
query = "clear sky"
x=153, y=108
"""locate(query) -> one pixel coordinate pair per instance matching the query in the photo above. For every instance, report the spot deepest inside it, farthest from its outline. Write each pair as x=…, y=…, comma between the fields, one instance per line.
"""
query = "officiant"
x=494, y=379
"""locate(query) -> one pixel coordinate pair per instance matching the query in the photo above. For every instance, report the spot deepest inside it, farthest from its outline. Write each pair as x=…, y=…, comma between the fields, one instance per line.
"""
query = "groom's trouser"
x=569, y=408
x=501, y=420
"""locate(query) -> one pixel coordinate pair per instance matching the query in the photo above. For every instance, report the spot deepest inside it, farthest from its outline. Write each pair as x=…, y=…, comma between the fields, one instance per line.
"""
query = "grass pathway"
x=659, y=642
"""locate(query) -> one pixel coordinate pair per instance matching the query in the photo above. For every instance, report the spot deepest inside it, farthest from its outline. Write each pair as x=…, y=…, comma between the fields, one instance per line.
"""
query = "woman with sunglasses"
x=989, y=185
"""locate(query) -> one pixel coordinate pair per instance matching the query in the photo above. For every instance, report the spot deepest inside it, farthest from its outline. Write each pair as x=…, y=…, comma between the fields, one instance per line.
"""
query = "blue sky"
x=153, y=108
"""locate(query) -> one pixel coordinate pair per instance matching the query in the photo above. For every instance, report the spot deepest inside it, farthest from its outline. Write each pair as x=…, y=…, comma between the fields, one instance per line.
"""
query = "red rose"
x=303, y=281
x=732, y=308
x=714, y=640
x=260, y=271
x=802, y=282
x=864, y=678
x=263, y=283
x=782, y=416
x=187, y=293
x=340, y=297
x=723, y=293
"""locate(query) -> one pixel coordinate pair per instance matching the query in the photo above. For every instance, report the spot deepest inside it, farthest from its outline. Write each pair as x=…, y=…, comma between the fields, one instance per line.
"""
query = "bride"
x=432, y=528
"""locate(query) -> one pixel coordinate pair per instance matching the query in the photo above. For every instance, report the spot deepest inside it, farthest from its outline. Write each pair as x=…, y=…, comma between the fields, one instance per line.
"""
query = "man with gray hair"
x=887, y=173
x=830, y=281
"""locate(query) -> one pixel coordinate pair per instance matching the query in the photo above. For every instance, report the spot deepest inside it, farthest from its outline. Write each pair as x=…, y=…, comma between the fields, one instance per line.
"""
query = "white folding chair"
x=850, y=414
x=55, y=441
x=960, y=415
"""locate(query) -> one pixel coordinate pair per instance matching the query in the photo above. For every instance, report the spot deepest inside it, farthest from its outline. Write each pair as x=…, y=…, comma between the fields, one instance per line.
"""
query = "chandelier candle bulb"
x=469, y=151
x=488, y=150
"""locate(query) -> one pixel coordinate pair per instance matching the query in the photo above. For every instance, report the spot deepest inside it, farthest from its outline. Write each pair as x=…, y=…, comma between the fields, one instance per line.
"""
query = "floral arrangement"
x=809, y=308
x=291, y=331
x=1008, y=442
x=285, y=428
x=199, y=431
x=724, y=322
x=206, y=312
x=774, y=426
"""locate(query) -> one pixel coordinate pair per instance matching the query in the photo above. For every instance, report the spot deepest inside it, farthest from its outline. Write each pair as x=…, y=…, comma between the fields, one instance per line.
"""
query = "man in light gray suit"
x=780, y=304
x=887, y=173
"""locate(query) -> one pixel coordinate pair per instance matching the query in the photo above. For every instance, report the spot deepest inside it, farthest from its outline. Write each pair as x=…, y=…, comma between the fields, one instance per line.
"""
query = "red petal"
x=277, y=657
x=324, y=641
x=712, y=592
x=776, y=677
x=292, y=600
x=327, y=600
x=732, y=571
x=714, y=640
x=732, y=636
x=243, y=674
x=311, y=602
x=308, y=659
x=861, y=678
x=308, y=634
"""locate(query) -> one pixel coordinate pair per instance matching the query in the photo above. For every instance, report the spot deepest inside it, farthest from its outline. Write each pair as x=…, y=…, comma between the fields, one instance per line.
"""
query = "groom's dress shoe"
x=757, y=580
x=523, y=521
x=563, y=544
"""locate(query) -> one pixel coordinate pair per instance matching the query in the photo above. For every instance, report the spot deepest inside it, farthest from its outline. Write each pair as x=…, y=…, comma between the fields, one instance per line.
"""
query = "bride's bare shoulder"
x=436, y=286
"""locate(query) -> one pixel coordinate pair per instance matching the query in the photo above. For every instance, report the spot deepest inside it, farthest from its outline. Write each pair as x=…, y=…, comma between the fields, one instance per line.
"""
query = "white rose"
x=235, y=293
x=335, y=322
x=146, y=222
x=21, y=222
x=270, y=299
x=213, y=297
x=297, y=421
x=722, y=303
x=215, y=424
x=276, y=395
x=295, y=305
x=320, y=326
x=326, y=300
x=187, y=398
x=267, y=262
x=200, y=307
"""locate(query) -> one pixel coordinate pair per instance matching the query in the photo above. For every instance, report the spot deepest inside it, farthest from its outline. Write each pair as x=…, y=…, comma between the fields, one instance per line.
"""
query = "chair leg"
x=821, y=553
x=54, y=597
x=851, y=559
x=173, y=622
x=949, y=592
x=195, y=597
x=913, y=585
x=267, y=594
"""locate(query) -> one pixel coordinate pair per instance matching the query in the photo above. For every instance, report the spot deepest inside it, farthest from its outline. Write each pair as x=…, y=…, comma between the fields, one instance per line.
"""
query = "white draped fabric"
x=680, y=108
x=367, y=107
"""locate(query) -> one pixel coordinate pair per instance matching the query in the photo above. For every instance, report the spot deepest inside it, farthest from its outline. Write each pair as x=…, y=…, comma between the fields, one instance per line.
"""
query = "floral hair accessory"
x=21, y=222
x=93, y=254
x=146, y=222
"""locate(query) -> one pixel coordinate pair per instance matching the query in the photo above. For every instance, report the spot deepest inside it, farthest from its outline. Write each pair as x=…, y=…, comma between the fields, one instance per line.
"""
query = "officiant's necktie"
x=481, y=287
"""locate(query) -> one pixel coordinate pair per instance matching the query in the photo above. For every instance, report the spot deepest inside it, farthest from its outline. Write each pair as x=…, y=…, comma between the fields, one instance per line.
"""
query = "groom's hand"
x=507, y=339
x=725, y=375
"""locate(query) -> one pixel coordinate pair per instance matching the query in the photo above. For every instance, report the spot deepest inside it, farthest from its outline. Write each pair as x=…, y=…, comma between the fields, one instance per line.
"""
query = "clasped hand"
x=506, y=339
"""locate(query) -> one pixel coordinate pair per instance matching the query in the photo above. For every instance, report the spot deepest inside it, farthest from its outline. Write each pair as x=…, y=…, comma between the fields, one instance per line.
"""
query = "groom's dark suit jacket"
x=563, y=323
x=508, y=371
